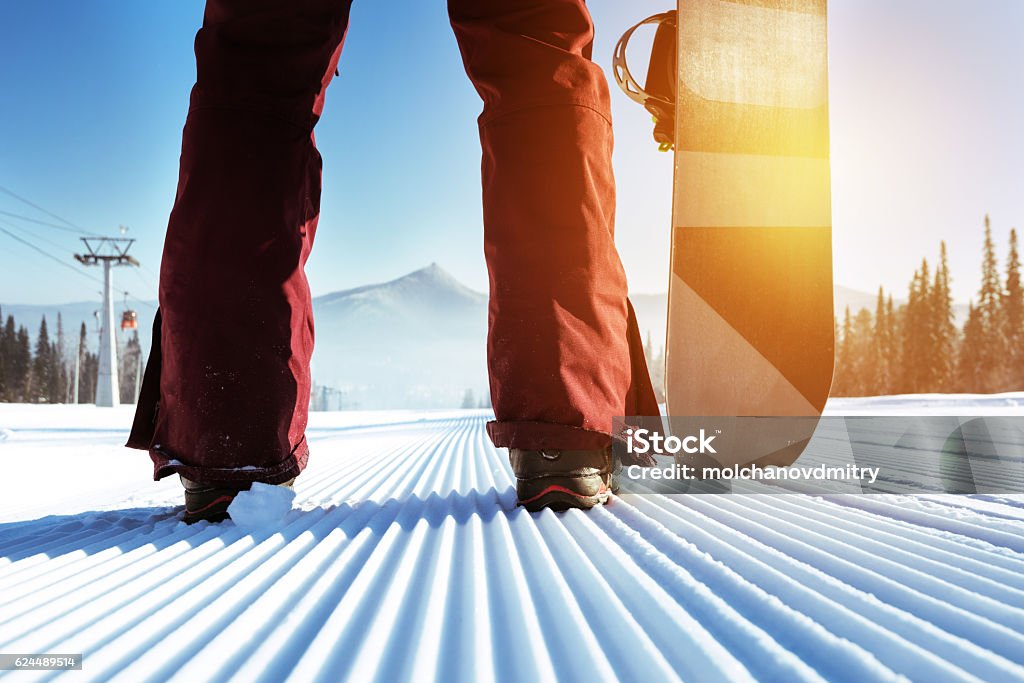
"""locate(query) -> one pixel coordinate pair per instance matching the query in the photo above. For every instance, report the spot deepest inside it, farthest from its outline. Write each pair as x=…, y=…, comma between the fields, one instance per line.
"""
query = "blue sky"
x=927, y=109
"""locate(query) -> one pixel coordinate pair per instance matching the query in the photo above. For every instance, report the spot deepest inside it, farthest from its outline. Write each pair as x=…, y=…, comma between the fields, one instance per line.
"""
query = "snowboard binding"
x=658, y=95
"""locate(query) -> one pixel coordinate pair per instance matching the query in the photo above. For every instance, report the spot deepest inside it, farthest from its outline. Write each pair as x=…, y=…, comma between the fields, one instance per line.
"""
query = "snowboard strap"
x=658, y=95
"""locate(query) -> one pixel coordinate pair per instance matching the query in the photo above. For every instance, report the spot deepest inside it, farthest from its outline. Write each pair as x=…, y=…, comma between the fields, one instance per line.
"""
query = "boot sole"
x=559, y=498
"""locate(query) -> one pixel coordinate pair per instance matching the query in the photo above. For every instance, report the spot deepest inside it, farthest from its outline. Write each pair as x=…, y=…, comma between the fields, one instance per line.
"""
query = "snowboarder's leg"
x=227, y=400
x=564, y=352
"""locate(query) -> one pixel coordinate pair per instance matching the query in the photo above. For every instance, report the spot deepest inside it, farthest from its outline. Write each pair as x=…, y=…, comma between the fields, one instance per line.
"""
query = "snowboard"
x=750, y=307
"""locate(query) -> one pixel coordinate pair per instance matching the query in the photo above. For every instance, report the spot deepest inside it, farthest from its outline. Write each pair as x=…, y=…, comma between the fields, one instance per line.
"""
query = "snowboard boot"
x=210, y=503
x=560, y=479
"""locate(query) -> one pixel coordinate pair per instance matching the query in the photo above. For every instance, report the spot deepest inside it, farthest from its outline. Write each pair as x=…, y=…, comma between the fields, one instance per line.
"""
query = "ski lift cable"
x=39, y=208
x=138, y=300
x=146, y=282
x=67, y=265
x=47, y=224
x=22, y=229
x=61, y=247
x=148, y=270
x=49, y=255
x=143, y=278
x=74, y=229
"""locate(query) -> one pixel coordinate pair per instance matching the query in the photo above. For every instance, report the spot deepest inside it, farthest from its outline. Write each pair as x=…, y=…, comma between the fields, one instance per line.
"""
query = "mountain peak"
x=432, y=281
x=432, y=271
x=433, y=274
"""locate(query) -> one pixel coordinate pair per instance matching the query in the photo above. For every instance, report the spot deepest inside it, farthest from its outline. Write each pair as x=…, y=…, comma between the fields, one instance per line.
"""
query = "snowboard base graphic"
x=750, y=308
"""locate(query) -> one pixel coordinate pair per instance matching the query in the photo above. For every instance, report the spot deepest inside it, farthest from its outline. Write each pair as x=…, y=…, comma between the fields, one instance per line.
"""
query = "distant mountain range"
x=414, y=342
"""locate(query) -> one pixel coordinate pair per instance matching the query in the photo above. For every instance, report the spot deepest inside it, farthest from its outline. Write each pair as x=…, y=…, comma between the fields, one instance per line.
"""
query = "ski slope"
x=405, y=558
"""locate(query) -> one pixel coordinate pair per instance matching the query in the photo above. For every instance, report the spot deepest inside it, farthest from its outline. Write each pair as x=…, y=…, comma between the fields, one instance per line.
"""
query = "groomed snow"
x=403, y=557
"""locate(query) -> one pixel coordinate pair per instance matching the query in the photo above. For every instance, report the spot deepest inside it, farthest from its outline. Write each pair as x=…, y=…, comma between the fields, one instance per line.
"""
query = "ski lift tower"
x=109, y=251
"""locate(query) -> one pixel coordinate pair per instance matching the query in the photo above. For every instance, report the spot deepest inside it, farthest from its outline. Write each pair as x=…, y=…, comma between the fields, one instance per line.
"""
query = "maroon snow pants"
x=226, y=391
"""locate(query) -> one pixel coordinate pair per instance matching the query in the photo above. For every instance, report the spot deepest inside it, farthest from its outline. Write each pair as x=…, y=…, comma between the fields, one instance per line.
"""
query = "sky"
x=926, y=114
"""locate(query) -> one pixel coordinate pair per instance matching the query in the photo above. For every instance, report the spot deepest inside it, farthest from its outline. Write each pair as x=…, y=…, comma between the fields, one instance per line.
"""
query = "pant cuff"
x=165, y=465
x=534, y=436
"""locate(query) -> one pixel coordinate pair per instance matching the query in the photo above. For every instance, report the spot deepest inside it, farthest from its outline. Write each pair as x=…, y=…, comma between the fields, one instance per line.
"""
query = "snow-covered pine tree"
x=864, y=370
x=841, y=383
x=86, y=376
x=916, y=333
x=1013, y=319
x=8, y=340
x=42, y=367
x=58, y=361
x=3, y=362
x=990, y=299
x=929, y=354
x=9, y=344
x=893, y=321
x=970, y=357
x=90, y=371
x=22, y=364
x=881, y=343
x=905, y=383
x=944, y=330
x=58, y=376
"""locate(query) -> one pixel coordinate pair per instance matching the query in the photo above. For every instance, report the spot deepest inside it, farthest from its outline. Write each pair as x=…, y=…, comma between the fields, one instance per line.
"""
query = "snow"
x=262, y=508
x=400, y=555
